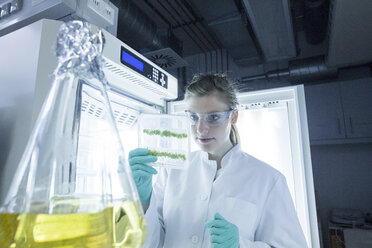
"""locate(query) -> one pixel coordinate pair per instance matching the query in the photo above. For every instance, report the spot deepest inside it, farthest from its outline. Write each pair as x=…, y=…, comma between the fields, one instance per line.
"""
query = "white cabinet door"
x=324, y=112
x=357, y=104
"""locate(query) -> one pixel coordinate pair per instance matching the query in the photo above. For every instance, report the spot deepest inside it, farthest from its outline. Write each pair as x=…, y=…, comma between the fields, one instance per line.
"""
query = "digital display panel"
x=136, y=63
x=131, y=60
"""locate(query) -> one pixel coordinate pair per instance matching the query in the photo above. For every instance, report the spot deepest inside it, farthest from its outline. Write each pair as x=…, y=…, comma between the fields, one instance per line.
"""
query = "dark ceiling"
x=254, y=32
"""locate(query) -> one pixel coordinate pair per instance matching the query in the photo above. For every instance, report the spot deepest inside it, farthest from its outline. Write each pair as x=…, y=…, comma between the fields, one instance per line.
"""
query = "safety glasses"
x=211, y=118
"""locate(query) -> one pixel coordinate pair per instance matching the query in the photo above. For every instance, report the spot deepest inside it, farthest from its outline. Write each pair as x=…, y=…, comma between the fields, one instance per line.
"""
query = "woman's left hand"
x=223, y=234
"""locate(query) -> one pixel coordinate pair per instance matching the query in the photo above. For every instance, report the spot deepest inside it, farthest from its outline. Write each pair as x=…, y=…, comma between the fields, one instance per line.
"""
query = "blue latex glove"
x=142, y=173
x=223, y=234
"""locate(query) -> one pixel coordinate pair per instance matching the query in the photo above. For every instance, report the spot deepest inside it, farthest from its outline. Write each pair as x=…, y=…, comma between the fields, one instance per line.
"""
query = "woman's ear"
x=234, y=118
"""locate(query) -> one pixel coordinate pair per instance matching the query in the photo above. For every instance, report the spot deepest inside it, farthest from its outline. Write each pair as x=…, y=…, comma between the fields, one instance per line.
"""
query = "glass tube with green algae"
x=167, y=137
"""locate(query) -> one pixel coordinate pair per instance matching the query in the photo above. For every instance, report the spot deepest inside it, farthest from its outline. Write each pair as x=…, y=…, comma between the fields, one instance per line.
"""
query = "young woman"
x=226, y=198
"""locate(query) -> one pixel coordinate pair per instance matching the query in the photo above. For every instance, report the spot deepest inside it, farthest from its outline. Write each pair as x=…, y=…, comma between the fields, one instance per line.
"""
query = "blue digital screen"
x=131, y=60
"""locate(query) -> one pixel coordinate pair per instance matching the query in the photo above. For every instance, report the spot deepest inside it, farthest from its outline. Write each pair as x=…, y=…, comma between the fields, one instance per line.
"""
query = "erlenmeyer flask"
x=73, y=186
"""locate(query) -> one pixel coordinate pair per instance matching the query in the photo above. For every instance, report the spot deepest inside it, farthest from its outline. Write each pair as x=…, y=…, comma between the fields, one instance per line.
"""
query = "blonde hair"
x=208, y=84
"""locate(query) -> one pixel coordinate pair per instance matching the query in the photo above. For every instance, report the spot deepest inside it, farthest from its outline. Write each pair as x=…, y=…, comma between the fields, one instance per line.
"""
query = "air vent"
x=166, y=58
x=259, y=105
x=93, y=108
x=123, y=115
x=111, y=68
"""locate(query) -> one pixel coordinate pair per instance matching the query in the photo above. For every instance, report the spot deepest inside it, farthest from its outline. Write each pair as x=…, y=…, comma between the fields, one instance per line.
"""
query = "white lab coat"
x=247, y=192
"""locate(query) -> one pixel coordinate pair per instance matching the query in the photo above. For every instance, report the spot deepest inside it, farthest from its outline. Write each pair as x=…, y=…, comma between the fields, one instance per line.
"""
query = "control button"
x=194, y=239
x=203, y=197
x=162, y=80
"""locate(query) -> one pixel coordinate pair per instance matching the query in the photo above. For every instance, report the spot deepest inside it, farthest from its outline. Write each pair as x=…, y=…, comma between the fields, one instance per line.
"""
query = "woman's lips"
x=205, y=140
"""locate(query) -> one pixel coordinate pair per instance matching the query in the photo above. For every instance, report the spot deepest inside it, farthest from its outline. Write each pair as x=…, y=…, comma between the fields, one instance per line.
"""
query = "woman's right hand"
x=142, y=173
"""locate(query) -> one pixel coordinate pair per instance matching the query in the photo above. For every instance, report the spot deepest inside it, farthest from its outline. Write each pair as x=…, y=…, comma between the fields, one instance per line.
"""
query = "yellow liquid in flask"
x=117, y=226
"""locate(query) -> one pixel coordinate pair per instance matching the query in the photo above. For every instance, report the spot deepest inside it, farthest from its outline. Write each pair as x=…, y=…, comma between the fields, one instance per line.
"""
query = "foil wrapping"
x=79, y=49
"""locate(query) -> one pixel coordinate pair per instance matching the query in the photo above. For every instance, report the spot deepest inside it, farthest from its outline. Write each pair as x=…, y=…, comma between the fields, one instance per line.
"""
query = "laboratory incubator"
x=139, y=92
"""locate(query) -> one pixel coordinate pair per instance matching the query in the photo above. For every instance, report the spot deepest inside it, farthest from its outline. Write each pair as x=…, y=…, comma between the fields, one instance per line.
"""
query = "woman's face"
x=214, y=139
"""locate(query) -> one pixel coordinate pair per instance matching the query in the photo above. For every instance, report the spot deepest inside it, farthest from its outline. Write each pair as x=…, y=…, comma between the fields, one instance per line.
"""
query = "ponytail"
x=234, y=135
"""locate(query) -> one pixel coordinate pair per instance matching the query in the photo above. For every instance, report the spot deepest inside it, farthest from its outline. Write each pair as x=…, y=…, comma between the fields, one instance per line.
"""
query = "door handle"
x=339, y=125
x=351, y=125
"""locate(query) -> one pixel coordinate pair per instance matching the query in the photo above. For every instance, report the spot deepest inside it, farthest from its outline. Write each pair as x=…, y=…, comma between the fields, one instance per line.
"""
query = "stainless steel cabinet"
x=324, y=111
x=356, y=98
x=340, y=112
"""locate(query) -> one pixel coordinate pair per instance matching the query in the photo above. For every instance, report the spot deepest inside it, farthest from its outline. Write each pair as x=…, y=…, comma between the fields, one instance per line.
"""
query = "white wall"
x=342, y=179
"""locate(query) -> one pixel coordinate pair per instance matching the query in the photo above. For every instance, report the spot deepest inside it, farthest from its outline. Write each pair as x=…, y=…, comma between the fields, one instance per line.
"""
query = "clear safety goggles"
x=211, y=118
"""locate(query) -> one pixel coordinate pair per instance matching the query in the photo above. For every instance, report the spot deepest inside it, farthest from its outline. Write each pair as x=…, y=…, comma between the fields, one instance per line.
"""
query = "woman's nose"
x=202, y=127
